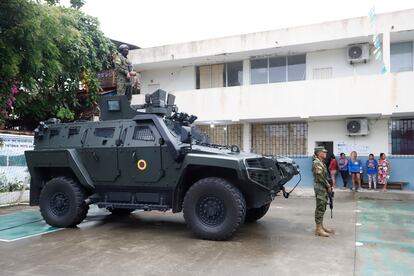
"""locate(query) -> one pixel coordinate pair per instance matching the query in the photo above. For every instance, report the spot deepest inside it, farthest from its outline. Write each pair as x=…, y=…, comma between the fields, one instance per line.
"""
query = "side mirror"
x=186, y=135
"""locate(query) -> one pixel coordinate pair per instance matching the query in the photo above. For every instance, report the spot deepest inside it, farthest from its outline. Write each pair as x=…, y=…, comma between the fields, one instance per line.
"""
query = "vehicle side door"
x=140, y=156
x=99, y=151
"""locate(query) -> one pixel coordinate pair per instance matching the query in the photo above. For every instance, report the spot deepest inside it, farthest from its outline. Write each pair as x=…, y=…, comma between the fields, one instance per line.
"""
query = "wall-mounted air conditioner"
x=358, y=53
x=357, y=127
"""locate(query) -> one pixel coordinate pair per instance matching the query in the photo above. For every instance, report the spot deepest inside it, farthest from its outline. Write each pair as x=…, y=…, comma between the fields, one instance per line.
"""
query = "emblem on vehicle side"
x=142, y=164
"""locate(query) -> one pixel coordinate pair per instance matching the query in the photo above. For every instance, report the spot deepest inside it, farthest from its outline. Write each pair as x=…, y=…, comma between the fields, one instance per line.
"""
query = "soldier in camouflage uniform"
x=123, y=72
x=322, y=186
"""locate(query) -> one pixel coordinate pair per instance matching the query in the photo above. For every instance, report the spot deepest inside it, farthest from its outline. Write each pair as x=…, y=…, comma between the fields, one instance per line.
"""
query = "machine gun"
x=330, y=197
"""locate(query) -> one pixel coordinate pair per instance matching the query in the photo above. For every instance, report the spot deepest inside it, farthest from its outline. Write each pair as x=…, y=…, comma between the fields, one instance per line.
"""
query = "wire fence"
x=14, y=174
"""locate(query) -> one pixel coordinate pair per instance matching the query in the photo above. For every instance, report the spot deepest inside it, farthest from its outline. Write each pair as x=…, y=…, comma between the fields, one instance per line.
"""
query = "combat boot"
x=320, y=232
x=328, y=230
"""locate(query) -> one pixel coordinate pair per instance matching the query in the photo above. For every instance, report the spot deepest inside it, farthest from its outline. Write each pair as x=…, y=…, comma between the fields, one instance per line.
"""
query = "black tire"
x=255, y=214
x=214, y=209
x=120, y=211
x=62, y=202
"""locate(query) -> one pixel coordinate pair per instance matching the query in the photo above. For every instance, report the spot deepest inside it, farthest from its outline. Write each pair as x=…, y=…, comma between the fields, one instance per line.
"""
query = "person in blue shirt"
x=372, y=166
x=355, y=169
x=343, y=168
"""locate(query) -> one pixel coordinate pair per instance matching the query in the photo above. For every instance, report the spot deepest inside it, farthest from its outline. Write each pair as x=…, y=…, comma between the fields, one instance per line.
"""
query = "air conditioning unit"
x=357, y=127
x=358, y=53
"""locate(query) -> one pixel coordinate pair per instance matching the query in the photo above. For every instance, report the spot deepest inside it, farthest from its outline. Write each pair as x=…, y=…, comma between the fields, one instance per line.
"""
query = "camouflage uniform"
x=121, y=65
x=320, y=176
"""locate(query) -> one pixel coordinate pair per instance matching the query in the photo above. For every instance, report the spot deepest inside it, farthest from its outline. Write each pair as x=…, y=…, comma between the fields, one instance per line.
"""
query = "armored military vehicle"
x=150, y=157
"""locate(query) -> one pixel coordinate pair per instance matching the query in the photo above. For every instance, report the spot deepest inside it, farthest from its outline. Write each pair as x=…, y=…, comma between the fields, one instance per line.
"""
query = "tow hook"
x=285, y=194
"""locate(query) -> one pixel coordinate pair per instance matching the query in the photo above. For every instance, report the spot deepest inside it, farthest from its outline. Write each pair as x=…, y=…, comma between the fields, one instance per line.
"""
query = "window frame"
x=225, y=75
x=286, y=66
x=400, y=126
x=280, y=138
x=412, y=56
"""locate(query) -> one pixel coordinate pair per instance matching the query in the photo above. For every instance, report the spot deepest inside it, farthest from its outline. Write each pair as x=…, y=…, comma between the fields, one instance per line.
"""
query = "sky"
x=152, y=23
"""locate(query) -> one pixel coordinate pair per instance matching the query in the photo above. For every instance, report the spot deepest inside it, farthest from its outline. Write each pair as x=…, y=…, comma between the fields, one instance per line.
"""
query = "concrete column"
x=246, y=72
x=247, y=137
x=386, y=50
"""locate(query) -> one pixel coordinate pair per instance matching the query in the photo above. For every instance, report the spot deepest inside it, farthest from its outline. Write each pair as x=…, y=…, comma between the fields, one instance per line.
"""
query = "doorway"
x=328, y=145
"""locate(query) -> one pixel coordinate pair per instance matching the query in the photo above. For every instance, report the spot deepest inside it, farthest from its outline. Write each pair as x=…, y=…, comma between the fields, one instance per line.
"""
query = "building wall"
x=337, y=90
x=327, y=33
x=337, y=60
x=184, y=78
x=170, y=79
x=370, y=95
x=401, y=170
x=375, y=142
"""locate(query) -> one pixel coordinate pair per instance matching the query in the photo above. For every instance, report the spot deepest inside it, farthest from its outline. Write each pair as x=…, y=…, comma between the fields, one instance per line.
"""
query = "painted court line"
x=23, y=224
x=34, y=235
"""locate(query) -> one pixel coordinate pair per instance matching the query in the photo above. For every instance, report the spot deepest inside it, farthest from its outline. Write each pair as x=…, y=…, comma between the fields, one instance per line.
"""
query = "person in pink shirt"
x=333, y=169
x=384, y=170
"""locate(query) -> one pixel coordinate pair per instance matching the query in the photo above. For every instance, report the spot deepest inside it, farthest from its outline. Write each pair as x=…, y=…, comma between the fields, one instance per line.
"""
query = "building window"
x=296, y=68
x=402, y=136
x=234, y=73
x=280, y=138
x=278, y=69
x=223, y=134
x=402, y=56
x=219, y=75
x=258, y=71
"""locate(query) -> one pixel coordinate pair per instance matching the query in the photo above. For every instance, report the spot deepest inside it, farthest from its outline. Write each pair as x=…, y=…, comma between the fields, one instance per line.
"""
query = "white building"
x=286, y=91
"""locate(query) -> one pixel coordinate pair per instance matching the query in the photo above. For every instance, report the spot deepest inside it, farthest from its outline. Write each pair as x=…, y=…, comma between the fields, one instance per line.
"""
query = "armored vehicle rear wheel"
x=214, y=208
x=62, y=202
x=255, y=214
x=120, y=211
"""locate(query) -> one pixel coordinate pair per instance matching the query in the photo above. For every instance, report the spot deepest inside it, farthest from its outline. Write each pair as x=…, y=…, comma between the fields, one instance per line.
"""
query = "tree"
x=50, y=56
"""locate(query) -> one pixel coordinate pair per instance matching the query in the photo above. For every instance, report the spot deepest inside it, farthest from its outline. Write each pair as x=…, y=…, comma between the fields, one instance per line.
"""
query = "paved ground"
x=152, y=243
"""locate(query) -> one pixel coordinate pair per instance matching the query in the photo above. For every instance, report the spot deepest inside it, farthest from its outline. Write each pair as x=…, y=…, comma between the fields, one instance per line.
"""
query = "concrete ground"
x=153, y=243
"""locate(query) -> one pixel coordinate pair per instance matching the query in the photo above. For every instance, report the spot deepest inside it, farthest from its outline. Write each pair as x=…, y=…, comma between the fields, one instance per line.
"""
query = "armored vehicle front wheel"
x=62, y=202
x=214, y=208
x=120, y=211
x=255, y=214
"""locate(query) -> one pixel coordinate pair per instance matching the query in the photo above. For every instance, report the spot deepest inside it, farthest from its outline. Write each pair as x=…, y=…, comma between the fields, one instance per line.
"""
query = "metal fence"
x=14, y=175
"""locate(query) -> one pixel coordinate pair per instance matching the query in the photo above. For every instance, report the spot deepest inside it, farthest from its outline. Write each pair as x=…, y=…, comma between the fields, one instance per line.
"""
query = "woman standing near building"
x=372, y=165
x=384, y=169
x=355, y=168
x=343, y=168
x=333, y=169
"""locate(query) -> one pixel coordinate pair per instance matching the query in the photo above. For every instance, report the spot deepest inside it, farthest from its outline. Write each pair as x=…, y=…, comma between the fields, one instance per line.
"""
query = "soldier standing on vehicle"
x=124, y=71
x=322, y=187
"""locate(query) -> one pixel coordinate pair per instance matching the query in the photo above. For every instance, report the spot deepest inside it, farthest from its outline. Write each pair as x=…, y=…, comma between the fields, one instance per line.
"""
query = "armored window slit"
x=73, y=131
x=104, y=132
x=54, y=132
x=143, y=133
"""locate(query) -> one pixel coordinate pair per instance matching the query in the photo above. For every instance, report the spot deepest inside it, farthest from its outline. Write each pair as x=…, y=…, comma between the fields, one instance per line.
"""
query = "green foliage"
x=50, y=56
x=77, y=4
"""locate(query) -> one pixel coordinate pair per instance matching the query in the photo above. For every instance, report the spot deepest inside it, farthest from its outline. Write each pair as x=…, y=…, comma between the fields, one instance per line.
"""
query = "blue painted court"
x=387, y=236
x=23, y=224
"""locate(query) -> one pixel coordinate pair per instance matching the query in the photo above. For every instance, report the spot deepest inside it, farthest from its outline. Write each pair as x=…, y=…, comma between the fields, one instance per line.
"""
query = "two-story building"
x=286, y=91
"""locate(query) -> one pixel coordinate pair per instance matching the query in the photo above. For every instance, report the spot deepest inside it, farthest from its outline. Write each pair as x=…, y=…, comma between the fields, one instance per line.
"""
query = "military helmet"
x=122, y=47
x=319, y=149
